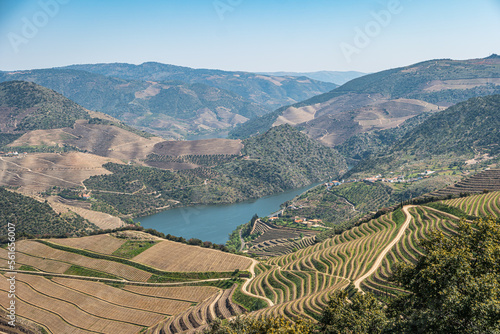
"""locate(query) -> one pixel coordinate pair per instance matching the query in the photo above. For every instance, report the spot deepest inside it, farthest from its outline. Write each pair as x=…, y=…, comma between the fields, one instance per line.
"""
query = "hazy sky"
x=249, y=35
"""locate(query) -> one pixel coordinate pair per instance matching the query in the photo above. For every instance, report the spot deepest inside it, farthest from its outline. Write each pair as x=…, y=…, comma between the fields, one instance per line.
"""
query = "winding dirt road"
x=245, y=285
x=386, y=250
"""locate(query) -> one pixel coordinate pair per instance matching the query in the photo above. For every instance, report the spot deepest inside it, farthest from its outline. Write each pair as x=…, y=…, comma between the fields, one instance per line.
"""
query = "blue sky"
x=249, y=35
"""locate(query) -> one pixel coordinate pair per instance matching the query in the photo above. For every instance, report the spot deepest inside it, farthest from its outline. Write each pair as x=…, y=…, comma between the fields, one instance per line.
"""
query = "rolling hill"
x=97, y=282
x=281, y=159
x=26, y=106
x=336, y=77
x=266, y=90
x=384, y=100
x=464, y=133
x=171, y=109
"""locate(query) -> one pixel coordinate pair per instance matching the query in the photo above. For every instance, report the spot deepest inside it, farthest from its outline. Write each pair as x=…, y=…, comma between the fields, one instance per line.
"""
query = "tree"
x=455, y=287
x=248, y=325
x=362, y=314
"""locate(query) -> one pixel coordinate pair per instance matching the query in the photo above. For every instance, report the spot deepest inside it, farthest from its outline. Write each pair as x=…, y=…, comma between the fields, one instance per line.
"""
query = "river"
x=215, y=222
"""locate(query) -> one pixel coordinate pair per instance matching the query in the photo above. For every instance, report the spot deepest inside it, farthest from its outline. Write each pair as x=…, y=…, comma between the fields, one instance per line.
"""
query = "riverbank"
x=215, y=222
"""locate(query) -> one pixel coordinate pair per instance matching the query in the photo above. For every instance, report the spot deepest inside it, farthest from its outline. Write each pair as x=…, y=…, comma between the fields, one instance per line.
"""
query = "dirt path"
x=242, y=242
x=386, y=250
x=245, y=285
x=349, y=203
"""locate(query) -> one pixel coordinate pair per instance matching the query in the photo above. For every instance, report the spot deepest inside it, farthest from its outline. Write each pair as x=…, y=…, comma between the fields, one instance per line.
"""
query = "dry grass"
x=90, y=304
x=102, y=243
x=100, y=219
x=111, y=267
x=296, y=116
x=173, y=256
x=70, y=313
x=199, y=147
x=125, y=298
x=188, y=293
x=103, y=140
x=46, y=265
x=52, y=322
x=40, y=171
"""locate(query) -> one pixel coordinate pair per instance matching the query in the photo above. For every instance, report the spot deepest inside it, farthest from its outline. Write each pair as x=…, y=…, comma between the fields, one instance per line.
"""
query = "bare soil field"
x=199, y=147
x=103, y=140
x=102, y=243
x=38, y=172
x=100, y=219
x=118, y=269
x=296, y=116
x=188, y=293
x=124, y=298
x=173, y=256
x=69, y=312
x=47, y=265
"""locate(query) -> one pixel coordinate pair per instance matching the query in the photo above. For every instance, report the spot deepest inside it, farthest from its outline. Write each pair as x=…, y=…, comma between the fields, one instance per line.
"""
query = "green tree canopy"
x=247, y=325
x=455, y=287
x=363, y=313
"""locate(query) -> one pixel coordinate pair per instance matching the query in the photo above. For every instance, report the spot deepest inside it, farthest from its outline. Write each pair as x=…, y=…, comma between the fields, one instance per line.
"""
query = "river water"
x=215, y=222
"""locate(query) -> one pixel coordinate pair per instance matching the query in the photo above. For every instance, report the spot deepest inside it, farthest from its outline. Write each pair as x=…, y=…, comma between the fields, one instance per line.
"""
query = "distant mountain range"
x=383, y=100
x=270, y=91
x=336, y=77
x=466, y=131
x=57, y=147
x=173, y=101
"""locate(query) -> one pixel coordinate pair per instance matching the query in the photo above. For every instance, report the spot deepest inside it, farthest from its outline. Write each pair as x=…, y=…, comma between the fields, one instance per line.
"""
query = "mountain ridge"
x=249, y=85
x=384, y=99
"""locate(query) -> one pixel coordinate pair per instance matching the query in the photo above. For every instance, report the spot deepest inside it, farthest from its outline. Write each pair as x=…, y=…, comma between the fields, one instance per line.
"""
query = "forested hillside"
x=467, y=130
x=281, y=159
x=153, y=106
x=34, y=218
x=27, y=106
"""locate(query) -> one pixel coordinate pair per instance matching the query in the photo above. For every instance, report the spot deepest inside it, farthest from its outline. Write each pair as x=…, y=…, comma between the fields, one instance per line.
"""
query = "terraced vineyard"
x=116, y=296
x=297, y=283
x=407, y=249
x=196, y=318
x=485, y=180
x=277, y=240
x=478, y=205
x=300, y=282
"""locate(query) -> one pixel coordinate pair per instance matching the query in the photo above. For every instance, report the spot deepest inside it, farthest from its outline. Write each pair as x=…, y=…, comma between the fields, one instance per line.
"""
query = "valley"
x=383, y=100
x=123, y=225
x=294, y=284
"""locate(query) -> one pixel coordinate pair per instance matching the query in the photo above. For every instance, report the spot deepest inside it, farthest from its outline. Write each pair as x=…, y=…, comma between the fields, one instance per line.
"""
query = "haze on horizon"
x=278, y=35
